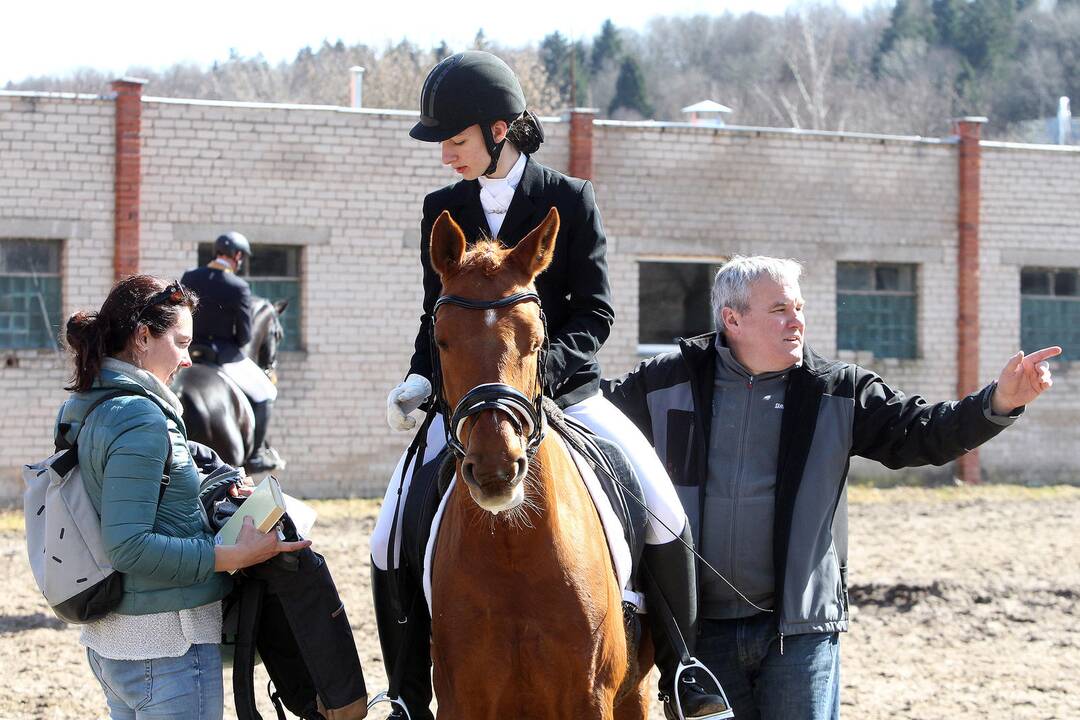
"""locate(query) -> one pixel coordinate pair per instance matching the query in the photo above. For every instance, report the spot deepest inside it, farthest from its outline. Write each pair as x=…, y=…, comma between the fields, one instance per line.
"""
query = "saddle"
x=616, y=475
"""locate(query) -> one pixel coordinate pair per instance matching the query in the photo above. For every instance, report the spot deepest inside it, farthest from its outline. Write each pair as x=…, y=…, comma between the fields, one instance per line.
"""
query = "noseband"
x=525, y=413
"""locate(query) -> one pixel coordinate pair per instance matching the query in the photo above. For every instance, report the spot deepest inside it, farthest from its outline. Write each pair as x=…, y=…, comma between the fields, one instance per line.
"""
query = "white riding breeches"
x=252, y=380
x=599, y=415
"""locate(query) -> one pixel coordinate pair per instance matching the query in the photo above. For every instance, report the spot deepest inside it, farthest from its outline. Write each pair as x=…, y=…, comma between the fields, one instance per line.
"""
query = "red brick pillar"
x=581, y=142
x=967, y=316
x=128, y=178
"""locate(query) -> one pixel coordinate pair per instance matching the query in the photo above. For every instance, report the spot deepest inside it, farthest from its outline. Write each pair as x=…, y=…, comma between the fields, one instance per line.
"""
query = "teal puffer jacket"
x=163, y=550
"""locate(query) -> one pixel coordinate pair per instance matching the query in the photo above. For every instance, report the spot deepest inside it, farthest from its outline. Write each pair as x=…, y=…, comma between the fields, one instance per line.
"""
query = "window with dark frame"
x=1050, y=310
x=673, y=300
x=274, y=273
x=876, y=309
x=30, y=291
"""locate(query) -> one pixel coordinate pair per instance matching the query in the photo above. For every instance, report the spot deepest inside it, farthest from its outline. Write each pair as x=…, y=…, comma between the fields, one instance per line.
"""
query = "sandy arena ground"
x=965, y=604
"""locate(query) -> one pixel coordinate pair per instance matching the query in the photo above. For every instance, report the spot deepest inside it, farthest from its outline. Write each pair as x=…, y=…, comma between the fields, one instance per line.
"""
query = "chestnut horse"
x=527, y=617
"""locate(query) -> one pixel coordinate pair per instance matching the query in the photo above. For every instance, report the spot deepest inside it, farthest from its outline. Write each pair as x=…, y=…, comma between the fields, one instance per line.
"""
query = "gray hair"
x=731, y=287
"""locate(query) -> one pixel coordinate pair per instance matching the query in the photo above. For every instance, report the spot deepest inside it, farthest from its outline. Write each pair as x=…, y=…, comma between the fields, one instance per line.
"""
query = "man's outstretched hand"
x=1023, y=379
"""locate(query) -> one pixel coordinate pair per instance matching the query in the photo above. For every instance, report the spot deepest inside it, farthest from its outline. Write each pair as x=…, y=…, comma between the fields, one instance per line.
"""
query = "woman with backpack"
x=473, y=105
x=155, y=654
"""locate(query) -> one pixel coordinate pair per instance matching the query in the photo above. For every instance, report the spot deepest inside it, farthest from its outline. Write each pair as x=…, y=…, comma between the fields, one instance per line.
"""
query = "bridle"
x=525, y=413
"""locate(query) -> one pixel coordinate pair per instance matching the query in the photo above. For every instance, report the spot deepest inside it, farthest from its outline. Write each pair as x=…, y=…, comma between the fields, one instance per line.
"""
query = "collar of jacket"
x=218, y=265
x=522, y=207
x=697, y=349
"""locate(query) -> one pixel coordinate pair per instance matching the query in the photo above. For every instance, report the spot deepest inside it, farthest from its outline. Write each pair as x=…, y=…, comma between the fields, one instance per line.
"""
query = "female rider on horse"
x=473, y=105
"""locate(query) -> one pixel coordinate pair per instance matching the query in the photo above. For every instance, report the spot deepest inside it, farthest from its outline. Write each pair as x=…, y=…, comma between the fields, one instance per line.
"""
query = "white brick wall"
x=56, y=182
x=347, y=186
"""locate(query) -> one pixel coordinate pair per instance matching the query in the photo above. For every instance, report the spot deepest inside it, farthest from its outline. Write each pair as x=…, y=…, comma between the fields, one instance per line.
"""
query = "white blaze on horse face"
x=490, y=318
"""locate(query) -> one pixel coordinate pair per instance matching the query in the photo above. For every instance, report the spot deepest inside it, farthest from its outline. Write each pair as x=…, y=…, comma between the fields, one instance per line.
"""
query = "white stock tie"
x=495, y=198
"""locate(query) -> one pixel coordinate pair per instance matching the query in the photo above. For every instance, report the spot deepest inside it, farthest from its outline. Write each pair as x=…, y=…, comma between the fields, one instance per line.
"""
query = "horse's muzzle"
x=494, y=469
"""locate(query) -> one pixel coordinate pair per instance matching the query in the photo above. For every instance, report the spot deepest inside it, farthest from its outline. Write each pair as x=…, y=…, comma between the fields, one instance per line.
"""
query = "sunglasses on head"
x=173, y=294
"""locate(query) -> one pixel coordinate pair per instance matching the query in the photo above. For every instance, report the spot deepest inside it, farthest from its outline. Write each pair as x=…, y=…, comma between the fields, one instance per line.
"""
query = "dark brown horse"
x=217, y=415
x=527, y=618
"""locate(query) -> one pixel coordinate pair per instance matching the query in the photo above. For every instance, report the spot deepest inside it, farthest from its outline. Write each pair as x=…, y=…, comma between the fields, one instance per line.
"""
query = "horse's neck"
x=259, y=328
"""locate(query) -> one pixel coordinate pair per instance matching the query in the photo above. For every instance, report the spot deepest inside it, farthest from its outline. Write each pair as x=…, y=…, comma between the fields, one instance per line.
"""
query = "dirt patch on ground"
x=965, y=604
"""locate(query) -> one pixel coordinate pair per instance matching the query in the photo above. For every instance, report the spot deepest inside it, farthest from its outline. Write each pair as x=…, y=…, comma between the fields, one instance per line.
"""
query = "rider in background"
x=223, y=323
x=473, y=105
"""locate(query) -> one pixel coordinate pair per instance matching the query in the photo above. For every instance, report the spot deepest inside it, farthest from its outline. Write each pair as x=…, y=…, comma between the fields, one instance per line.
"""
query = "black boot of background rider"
x=671, y=567
x=262, y=458
x=407, y=643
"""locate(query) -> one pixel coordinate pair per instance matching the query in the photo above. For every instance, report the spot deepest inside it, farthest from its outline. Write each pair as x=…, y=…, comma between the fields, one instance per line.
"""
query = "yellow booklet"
x=264, y=506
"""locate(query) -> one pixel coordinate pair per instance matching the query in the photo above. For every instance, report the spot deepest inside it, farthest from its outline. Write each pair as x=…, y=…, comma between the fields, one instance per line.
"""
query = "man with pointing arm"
x=757, y=431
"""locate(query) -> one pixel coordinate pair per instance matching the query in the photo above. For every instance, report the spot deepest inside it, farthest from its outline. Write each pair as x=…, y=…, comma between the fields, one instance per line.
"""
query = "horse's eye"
x=442, y=344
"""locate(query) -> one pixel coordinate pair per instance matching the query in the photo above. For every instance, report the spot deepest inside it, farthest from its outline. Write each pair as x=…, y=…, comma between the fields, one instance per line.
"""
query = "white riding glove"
x=405, y=399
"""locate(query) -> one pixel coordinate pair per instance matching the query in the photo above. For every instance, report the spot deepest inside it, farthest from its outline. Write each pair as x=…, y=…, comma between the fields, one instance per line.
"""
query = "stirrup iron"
x=384, y=696
x=695, y=664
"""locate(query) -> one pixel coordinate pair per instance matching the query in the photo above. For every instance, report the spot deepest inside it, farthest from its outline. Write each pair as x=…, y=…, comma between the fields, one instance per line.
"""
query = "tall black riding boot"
x=671, y=590
x=263, y=459
x=405, y=644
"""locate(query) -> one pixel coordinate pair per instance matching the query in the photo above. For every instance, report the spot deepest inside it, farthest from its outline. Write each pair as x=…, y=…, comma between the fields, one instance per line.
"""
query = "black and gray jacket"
x=832, y=411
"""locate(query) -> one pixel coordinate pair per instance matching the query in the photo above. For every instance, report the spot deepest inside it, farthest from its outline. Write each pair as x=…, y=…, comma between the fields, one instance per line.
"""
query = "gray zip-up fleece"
x=740, y=489
x=832, y=410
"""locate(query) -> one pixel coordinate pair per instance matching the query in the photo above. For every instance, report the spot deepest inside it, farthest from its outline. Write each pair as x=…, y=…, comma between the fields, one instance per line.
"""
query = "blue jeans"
x=188, y=687
x=801, y=684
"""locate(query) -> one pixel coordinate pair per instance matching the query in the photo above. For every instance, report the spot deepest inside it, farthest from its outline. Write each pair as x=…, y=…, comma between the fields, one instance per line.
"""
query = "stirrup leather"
x=384, y=696
x=696, y=665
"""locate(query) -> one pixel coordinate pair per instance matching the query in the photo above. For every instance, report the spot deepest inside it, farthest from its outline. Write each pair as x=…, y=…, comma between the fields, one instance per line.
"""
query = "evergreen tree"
x=441, y=51
x=910, y=19
x=606, y=47
x=630, y=90
x=555, y=54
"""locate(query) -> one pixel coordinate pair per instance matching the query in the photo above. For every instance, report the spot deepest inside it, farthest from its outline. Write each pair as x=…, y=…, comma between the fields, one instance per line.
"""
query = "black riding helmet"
x=469, y=88
x=231, y=243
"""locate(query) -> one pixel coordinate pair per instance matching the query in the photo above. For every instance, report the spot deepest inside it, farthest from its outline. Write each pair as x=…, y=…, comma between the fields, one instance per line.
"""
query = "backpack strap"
x=251, y=593
x=67, y=462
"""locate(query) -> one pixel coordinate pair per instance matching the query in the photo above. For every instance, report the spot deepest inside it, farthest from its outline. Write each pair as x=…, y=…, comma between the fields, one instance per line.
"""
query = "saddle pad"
x=620, y=551
x=245, y=404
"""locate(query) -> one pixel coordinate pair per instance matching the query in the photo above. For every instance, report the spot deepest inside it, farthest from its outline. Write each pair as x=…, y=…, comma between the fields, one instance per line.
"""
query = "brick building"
x=93, y=187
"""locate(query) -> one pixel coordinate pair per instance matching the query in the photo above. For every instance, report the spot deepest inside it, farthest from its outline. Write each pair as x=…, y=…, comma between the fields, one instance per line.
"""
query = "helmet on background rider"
x=231, y=243
x=472, y=88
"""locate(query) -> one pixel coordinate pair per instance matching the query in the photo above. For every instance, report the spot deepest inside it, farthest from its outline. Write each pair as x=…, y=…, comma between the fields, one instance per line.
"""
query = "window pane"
x=854, y=276
x=1065, y=283
x=886, y=277
x=29, y=311
x=274, y=290
x=673, y=301
x=881, y=324
x=30, y=256
x=875, y=309
x=206, y=253
x=1050, y=321
x=276, y=261
x=1034, y=281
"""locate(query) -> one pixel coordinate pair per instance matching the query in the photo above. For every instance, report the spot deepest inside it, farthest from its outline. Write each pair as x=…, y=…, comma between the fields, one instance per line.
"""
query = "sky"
x=55, y=37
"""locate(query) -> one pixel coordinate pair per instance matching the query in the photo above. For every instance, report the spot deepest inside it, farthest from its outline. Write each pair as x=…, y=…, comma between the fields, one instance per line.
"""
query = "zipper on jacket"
x=737, y=479
x=781, y=643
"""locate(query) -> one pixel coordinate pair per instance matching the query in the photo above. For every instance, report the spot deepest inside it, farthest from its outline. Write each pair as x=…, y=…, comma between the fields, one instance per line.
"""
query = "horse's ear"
x=281, y=305
x=447, y=245
x=533, y=254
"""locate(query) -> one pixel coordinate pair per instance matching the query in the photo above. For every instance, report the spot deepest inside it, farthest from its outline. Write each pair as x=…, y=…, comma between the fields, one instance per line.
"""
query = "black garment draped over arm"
x=574, y=290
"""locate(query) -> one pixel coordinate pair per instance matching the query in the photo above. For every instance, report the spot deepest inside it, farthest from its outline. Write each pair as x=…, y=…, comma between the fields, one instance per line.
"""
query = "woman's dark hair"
x=525, y=133
x=140, y=299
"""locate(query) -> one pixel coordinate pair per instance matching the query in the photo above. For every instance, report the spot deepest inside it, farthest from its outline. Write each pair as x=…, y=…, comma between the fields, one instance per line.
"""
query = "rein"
x=525, y=414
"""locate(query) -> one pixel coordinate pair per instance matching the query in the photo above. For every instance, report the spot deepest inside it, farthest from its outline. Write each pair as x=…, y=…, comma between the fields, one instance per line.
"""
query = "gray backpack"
x=63, y=534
